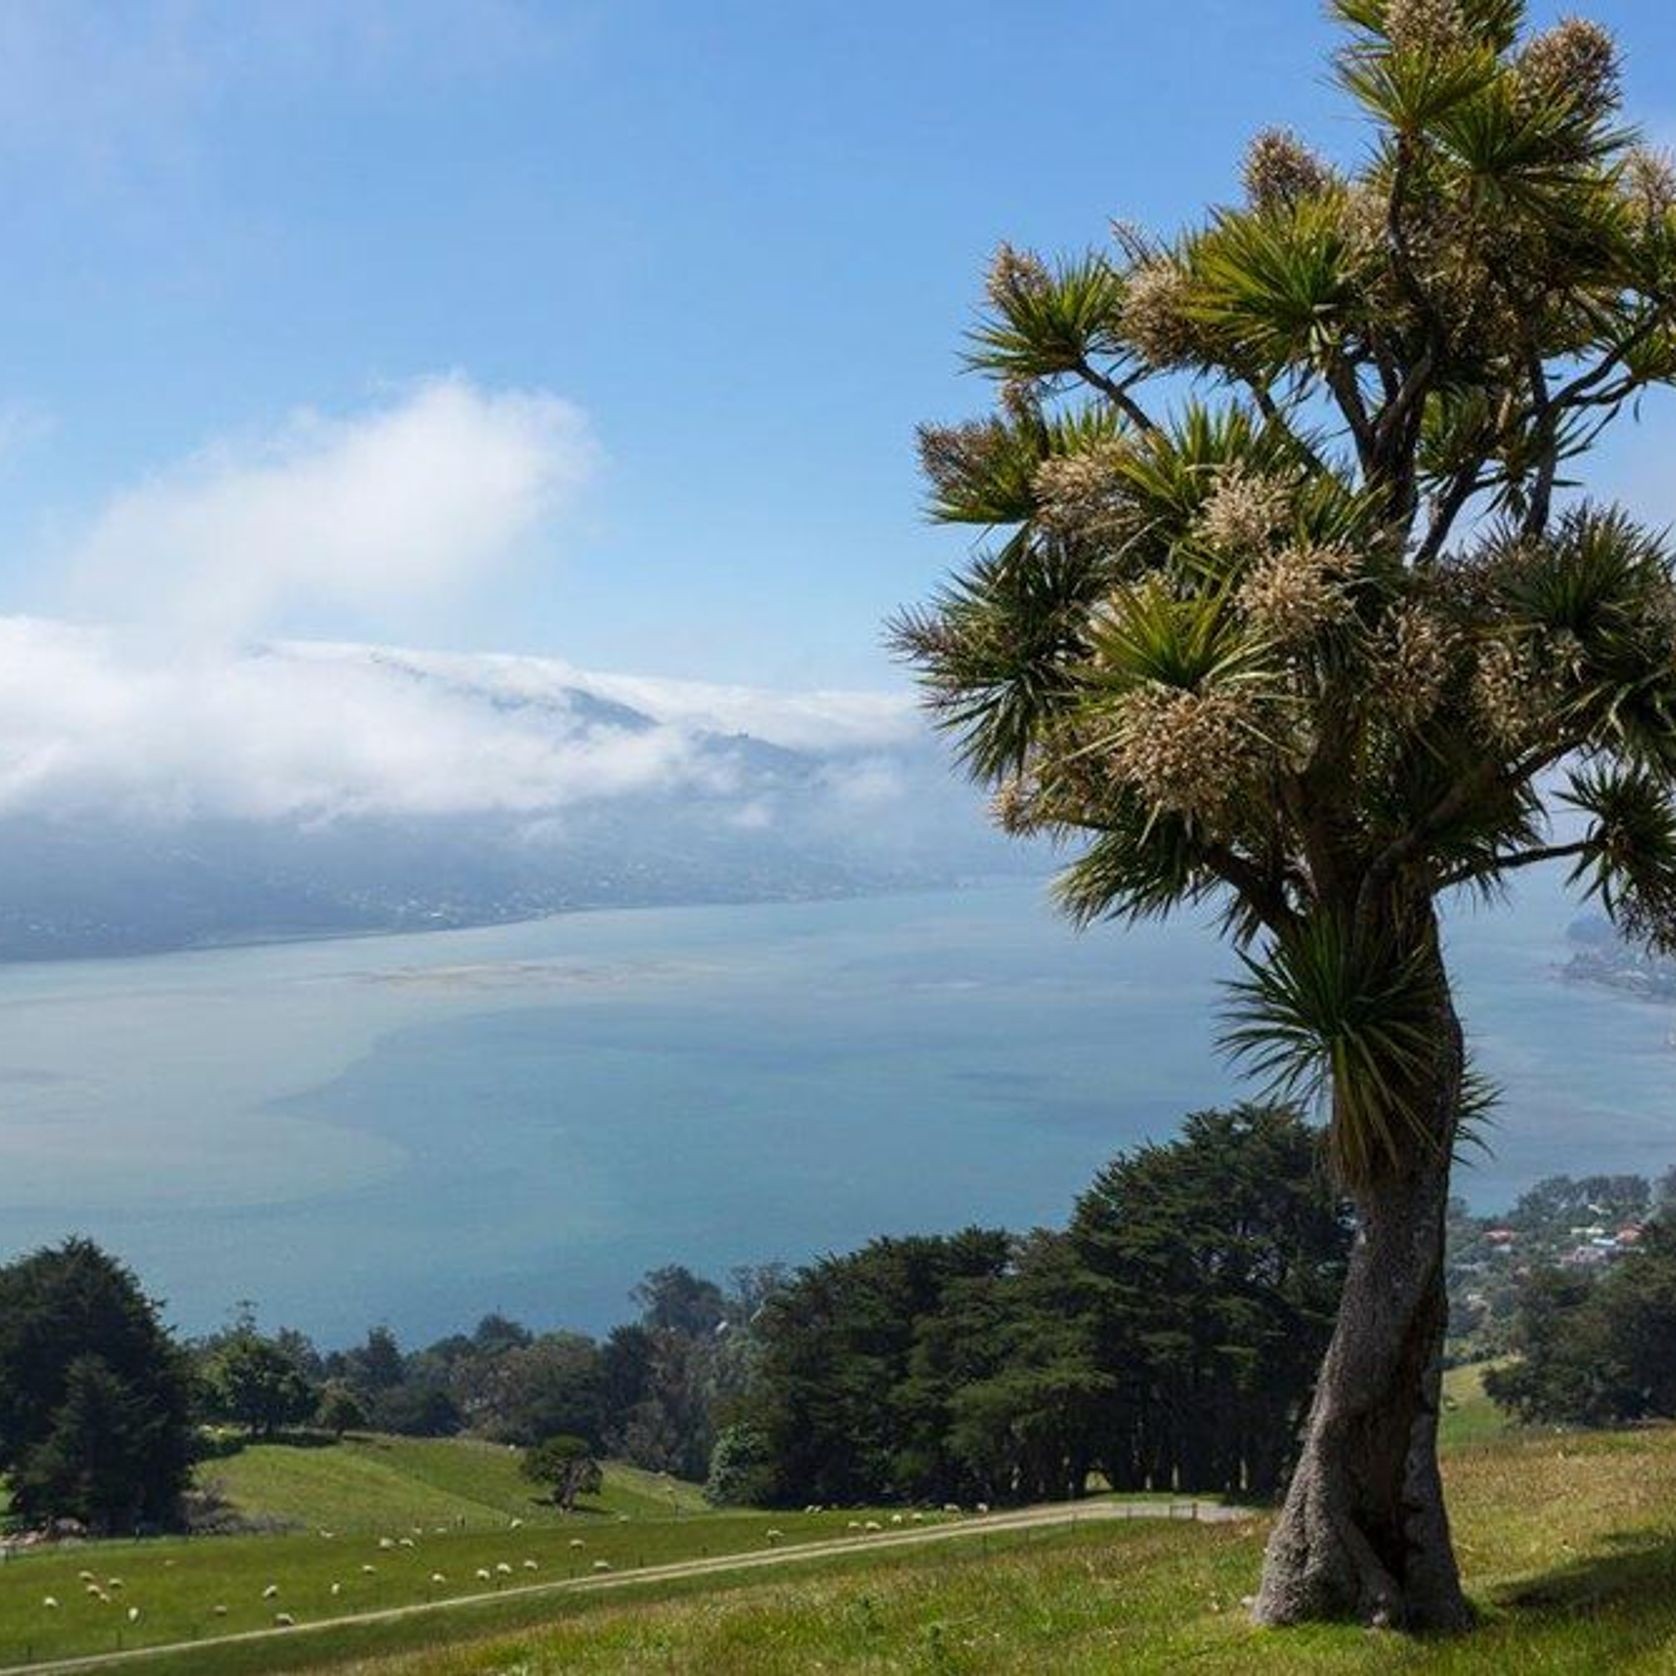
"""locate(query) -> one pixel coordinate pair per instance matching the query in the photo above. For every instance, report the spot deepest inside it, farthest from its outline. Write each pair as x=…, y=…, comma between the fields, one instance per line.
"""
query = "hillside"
x=1569, y=1544
x=1568, y=1541
x=383, y=1483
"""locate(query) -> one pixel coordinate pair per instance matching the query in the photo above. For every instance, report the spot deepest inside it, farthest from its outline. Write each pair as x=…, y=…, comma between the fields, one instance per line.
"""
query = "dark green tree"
x=741, y=1469
x=340, y=1410
x=1320, y=642
x=113, y=1444
x=254, y=1382
x=566, y=1467
x=547, y=1388
x=1596, y=1350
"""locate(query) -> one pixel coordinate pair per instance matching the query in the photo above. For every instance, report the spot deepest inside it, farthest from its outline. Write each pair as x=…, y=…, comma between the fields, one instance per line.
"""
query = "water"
x=419, y=1129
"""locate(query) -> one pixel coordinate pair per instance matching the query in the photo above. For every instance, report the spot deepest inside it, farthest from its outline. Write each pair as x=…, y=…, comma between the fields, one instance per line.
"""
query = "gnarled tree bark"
x=1363, y=1533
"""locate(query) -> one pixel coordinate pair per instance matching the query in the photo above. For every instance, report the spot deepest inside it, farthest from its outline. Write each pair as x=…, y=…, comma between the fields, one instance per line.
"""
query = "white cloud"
x=93, y=721
x=821, y=720
x=408, y=502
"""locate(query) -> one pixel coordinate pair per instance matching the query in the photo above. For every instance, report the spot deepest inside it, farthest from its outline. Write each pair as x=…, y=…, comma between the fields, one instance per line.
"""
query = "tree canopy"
x=94, y=1395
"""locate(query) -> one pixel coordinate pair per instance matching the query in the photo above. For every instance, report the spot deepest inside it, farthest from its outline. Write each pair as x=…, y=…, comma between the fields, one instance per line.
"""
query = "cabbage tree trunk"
x=1364, y=1533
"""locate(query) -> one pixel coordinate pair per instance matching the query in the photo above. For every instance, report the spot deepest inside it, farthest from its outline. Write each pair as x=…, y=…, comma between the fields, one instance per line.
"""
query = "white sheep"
x=114, y=1583
x=529, y=1565
x=872, y=1525
x=982, y=1507
x=85, y=1576
x=133, y=1614
x=504, y=1569
x=283, y=1620
x=437, y=1577
x=270, y=1592
x=602, y=1565
x=218, y=1610
x=485, y=1575
x=577, y=1542
x=369, y=1571
x=385, y=1542
x=517, y=1525
x=774, y=1535
x=337, y=1589
x=896, y=1518
x=50, y=1602
x=406, y=1542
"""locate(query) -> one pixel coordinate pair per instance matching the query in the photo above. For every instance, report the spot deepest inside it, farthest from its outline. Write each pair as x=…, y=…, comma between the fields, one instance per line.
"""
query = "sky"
x=575, y=328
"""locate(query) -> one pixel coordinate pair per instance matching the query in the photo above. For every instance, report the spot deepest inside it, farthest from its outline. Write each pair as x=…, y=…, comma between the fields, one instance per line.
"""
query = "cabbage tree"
x=1292, y=605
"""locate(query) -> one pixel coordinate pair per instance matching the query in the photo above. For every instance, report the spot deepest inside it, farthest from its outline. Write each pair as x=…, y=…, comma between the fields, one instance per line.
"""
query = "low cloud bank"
x=91, y=722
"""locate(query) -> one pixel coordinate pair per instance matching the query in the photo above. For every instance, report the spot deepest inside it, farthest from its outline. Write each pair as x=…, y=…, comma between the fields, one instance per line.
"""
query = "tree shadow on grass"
x=1614, y=1603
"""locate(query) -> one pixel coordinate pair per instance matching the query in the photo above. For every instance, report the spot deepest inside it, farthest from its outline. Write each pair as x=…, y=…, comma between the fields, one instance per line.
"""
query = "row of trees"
x=1166, y=1339
x=648, y=1393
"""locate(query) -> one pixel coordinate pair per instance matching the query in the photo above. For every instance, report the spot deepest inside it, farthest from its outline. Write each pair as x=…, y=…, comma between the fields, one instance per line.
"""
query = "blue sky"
x=738, y=240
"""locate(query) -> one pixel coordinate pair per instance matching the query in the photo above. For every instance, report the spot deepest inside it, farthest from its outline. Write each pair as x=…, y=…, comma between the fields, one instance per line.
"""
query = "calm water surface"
x=418, y=1129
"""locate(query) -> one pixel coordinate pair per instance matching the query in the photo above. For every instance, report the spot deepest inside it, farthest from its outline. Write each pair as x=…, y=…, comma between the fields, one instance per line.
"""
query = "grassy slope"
x=443, y=1508
x=381, y=1483
x=1569, y=1545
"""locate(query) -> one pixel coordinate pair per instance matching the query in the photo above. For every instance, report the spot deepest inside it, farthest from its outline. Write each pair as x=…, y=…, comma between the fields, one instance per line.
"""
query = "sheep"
x=602, y=1565
x=872, y=1525
x=853, y=1525
x=85, y=1576
x=50, y=1602
x=530, y=1565
x=133, y=1614
x=517, y=1525
x=328, y=1535
x=896, y=1518
x=283, y=1620
x=774, y=1535
x=577, y=1542
x=385, y=1543
x=918, y=1518
x=218, y=1610
x=485, y=1575
x=437, y=1577
x=406, y=1542
x=271, y=1592
x=504, y=1569
x=951, y=1507
x=982, y=1507
x=337, y=1588
x=114, y=1583
x=369, y=1571
x=97, y=1593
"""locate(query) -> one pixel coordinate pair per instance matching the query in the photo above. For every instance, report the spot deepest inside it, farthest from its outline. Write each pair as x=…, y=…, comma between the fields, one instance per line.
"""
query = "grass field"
x=382, y=1483
x=1568, y=1542
x=381, y=1523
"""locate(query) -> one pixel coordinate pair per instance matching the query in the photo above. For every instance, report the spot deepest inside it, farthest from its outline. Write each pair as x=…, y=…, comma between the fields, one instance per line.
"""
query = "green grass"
x=1568, y=1544
x=1468, y=1415
x=407, y=1508
x=1567, y=1541
x=383, y=1483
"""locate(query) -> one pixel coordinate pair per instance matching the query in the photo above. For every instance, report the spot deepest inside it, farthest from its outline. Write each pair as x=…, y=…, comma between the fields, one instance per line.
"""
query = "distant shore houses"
x=1591, y=1244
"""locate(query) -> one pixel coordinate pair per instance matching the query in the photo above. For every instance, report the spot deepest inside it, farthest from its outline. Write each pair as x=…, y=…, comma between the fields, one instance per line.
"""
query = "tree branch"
x=1494, y=866
x=1117, y=394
